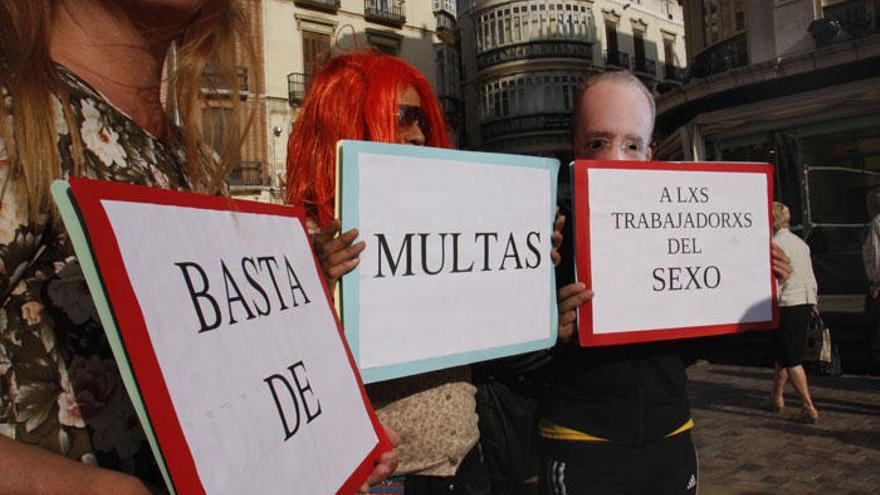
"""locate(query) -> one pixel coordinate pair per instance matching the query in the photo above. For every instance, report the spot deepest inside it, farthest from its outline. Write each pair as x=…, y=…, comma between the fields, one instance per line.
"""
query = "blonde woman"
x=81, y=83
x=797, y=298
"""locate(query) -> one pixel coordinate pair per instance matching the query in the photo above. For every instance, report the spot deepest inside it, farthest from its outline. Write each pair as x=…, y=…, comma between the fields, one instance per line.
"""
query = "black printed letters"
x=251, y=288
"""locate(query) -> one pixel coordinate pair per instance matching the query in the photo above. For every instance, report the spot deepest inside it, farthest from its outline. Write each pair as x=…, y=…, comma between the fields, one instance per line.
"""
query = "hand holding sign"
x=781, y=263
x=569, y=299
x=337, y=253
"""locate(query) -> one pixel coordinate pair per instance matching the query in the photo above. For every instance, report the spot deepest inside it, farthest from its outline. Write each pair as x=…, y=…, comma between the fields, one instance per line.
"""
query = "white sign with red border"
x=673, y=250
x=226, y=327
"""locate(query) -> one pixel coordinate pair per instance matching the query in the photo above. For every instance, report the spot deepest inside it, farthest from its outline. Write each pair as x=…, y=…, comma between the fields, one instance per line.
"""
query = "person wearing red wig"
x=375, y=97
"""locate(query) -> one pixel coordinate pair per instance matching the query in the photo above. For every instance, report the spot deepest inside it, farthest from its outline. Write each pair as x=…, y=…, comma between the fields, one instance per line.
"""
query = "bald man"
x=617, y=418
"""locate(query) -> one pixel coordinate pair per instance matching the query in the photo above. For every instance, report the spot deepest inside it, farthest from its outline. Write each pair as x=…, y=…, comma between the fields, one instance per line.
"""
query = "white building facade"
x=524, y=59
x=299, y=35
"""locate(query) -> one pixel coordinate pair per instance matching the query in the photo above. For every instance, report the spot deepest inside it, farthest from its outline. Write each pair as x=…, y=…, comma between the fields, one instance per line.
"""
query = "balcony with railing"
x=322, y=5
x=721, y=57
x=854, y=18
x=536, y=49
x=297, y=85
x=526, y=123
x=645, y=66
x=857, y=18
x=617, y=59
x=673, y=73
x=445, y=21
x=388, y=12
x=247, y=174
x=214, y=82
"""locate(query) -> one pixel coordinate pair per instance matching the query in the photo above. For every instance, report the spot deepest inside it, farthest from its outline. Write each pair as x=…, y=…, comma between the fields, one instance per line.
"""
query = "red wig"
x=353, y=96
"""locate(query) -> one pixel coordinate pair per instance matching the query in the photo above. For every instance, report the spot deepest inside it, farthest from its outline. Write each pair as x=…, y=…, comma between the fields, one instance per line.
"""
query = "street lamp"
x=276, y=132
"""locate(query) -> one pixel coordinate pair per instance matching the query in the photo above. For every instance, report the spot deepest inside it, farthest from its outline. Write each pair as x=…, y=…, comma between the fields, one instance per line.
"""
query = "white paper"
x=409, y=318
x=216, y=378
x=624, y=260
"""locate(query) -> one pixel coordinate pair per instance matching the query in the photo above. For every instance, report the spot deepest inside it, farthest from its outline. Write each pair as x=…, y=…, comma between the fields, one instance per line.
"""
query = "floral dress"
x=59, y=385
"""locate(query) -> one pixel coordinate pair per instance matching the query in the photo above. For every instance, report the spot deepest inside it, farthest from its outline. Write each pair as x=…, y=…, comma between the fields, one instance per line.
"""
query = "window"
x=447, y=71
x=639, y=47
x=316, y=51
x=611, y=36
x=668, y=51
x=528, y=94
x=384, y=42
x=215, y=120
x=531, y=20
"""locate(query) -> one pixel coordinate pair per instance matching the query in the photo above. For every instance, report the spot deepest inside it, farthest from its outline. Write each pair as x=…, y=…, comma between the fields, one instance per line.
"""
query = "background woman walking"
x=797, y=299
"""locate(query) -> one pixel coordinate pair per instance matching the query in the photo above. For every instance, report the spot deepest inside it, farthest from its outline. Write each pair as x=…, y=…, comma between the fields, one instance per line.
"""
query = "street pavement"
x=745, y=450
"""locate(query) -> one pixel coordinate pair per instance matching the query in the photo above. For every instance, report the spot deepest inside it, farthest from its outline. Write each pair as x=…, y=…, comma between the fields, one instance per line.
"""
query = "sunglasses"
x=407, y=115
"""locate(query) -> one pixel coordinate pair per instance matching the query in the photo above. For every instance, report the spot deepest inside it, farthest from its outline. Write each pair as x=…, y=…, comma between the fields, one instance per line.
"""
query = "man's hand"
x=568, y=299
x=338, y=254
x=780, y=263
x=556, y=238
x=386, y=465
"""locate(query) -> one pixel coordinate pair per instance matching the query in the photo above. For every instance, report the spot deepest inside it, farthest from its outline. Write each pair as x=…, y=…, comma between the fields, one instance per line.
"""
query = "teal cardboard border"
x=349, y=180
x=73, y=223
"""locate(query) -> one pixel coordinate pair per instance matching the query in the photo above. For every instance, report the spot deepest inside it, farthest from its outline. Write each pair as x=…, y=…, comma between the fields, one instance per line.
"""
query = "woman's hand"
x=386, y=465
x=338, y=254
x=568, y=299
x=780, y=263
x=556, y=237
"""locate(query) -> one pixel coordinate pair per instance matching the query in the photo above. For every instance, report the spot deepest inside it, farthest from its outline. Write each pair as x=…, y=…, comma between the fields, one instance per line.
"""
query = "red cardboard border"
x=580, y=188
x=133, y=330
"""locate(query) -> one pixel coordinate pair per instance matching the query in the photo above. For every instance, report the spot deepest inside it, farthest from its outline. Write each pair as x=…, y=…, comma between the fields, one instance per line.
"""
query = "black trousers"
x=471, y=478
x=668, y=467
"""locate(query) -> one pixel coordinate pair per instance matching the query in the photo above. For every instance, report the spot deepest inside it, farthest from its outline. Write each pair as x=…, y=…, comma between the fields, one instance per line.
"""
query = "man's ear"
x=650, y=152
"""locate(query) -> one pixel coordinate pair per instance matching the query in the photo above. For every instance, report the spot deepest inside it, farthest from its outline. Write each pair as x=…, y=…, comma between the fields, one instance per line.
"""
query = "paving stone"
x=745, y=450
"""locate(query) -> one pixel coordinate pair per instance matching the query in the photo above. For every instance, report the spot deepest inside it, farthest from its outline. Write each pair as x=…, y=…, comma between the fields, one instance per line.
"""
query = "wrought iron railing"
x=536, y=49
x=445, y=21
x=525, y=123
x=325, y=5
x=857, y=18
x=214, y=82
x=673, y=73
x=728, y=54
x=646, y=66
x=617, y=59
x=385, y=11
x=297, y=85
x=247, y=173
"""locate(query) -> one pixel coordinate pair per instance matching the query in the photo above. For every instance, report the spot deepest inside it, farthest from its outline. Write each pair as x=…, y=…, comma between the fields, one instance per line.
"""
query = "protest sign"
x=224, y=334
x=457, y=264
x=673, y=250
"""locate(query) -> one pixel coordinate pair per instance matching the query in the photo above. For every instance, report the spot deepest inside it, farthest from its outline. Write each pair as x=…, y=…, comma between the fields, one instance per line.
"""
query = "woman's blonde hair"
x=209, y=37
x=781, y=216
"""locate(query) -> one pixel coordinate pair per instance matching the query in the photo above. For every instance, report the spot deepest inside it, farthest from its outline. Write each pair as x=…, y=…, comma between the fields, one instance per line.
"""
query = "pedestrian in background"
x=871, y=258
x=797, y=299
